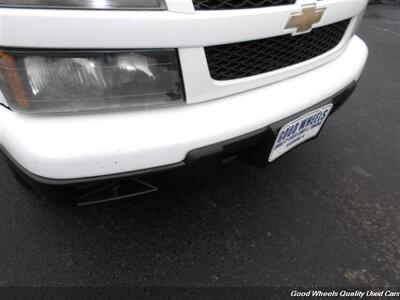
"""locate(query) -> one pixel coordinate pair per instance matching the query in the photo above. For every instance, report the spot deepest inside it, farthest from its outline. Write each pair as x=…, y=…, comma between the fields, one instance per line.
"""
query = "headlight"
x=85, y=4
x=65, y=81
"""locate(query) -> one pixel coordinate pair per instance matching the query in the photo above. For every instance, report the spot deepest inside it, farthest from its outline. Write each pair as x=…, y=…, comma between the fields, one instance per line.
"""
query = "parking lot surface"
x=326, y=214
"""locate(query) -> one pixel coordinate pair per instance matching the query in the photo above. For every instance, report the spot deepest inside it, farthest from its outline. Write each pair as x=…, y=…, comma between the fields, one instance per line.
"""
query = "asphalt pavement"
x=327, y=214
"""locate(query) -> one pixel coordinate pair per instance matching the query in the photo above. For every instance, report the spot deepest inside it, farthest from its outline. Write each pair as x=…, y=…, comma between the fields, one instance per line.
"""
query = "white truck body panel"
x=96, y=144
x=64, y=147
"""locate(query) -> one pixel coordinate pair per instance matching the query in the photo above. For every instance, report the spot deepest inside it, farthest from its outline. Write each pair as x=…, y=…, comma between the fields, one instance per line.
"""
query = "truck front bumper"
x=71, y=149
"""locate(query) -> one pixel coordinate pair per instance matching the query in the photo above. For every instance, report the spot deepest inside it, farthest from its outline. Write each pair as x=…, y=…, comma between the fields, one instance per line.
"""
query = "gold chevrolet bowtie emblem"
x=304, y=20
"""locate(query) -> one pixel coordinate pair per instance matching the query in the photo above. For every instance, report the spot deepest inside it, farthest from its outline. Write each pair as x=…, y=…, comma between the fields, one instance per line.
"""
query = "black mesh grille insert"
x=238, y=60
x=237, y=4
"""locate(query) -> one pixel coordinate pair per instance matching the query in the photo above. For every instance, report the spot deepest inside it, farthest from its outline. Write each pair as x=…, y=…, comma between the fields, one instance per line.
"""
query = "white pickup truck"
x=99, y=90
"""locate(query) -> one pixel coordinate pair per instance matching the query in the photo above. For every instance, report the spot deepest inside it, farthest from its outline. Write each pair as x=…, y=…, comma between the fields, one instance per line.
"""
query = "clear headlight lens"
x=55, y=81
x=85, y=4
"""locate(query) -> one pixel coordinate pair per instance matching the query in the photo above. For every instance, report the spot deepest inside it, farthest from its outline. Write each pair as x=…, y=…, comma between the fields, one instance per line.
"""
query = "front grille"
x=237, y=4
x=238, y=60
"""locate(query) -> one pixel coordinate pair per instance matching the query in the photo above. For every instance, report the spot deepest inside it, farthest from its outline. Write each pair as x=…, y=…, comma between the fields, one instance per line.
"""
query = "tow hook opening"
x=115, y=190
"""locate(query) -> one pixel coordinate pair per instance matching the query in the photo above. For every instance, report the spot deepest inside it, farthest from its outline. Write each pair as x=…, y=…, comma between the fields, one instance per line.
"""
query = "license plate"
x=298, y=131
